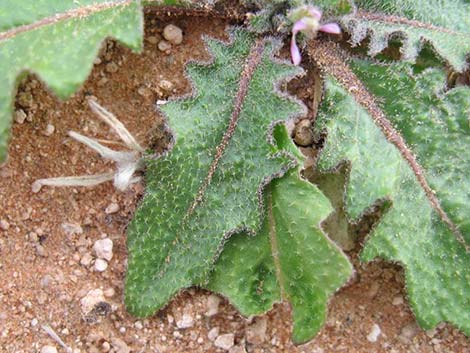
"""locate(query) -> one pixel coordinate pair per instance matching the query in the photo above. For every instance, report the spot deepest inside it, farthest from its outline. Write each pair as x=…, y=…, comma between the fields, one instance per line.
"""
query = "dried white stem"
x=82, y=180
x=116, y=125
x=105, y=152
x=56, y=338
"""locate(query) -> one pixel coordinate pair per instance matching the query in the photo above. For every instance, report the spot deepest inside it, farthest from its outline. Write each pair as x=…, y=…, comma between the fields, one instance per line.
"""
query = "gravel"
x=112, y=208
x=186, y=321
x=213, y=333
x=213, y=302
x=256, y=332
x=101, y=265
x=103, y=249
x=91, y=299
x=374, y=333
x=304, y=133
x=173, y=34
x=48, y=349
x=225, y=341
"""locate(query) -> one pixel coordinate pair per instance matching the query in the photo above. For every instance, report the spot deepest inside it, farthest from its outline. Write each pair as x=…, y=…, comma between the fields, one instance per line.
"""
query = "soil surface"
x=47, y=259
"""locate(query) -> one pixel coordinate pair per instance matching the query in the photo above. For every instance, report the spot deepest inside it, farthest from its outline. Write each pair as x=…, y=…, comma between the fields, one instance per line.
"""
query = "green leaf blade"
x=197, y=195
x=434, y=123
x=443, y=24
x=60, y=52
x=290, y=259
x=411, y=232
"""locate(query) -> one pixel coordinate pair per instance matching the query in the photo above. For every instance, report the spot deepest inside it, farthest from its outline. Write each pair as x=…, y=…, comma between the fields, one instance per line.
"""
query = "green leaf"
x=290, y=259
x=413, y=231
x=445, y=24
x=58, y=41
x=210, y=184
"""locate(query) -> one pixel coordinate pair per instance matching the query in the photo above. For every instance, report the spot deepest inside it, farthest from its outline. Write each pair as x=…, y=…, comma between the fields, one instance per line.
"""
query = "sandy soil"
x=46, y=239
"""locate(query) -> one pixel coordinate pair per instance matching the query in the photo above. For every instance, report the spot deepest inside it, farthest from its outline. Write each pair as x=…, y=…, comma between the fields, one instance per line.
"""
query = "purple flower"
x=307, y=20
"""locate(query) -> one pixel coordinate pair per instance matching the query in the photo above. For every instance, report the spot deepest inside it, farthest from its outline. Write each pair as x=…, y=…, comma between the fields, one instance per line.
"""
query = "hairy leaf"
x=58, y=41
x=413, y=231
x=445, y=24
x=210, y=184
x=290, y=259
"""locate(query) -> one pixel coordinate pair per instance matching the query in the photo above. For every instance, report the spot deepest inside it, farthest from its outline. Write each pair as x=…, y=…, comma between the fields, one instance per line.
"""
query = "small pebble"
x=101, y=265
x=138, y=325
x=111, y=67
x=112, y=208
x=109, y=292
x=34, y=322
x=256, y=332
x=152, y=40
x=173, y=34
x=103, y=249
x=225, y=341
x=303, y=133
x=374, y=333
x=166, y=85
x=86, y=259
x=213, y=302
x=120, y=346
x=48, y=349
x=20, y=116
x=49, y=130
x=40, y=251
x=186, y=321
x=4, y=225
x=164, y=46
x=91, y=299
x=213, y=333
x=105, y=347
x=398, y=300
x=408, y=332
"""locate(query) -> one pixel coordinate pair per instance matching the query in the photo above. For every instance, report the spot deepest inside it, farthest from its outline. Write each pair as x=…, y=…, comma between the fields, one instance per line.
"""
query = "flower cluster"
x=307, y=20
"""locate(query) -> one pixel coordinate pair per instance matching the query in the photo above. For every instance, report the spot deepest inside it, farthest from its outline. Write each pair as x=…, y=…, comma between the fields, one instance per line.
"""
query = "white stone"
x=86, y=259
x=48, y=349
x=213, y=333
x=225, y=341
x=186, y=321
x=398, y=300
x=89, y=301
x=112, y=208
x=374, y=333
x=20, y=116
x=49, y=130
x=4, y=225
x=256, y=332
x=104, y=249
x=101, y=265
x=173, y=34
x=213, y=302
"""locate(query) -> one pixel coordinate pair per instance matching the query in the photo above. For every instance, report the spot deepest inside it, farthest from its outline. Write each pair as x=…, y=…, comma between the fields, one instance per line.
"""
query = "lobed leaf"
x=445, y=24
x=58, y=41
x=210, y=184
x=290, y=258
x=412, y=232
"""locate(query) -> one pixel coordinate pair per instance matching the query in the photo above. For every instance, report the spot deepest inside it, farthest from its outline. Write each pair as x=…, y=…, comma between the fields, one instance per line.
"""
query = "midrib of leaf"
x=253, y=60
x=333, y=61
x=81, y=12
x=275, y=245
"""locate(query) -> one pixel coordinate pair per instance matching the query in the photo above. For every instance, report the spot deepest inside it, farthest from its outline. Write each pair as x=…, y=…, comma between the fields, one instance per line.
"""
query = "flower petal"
x=314, y=12
x=294, y=51
x=330, y=28
x=300, y=25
